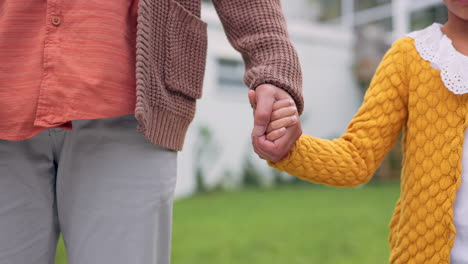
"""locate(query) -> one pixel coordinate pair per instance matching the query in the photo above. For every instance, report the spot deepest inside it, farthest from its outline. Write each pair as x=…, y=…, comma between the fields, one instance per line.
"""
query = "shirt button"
x=56, y=20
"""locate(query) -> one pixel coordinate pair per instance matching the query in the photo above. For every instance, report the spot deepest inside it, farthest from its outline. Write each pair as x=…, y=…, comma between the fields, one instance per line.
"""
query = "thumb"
x=264, y=106
x=252, y=99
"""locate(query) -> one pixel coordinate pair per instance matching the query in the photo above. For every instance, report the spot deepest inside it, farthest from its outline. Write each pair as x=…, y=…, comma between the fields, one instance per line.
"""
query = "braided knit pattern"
x=171, y=55
x=406, y=94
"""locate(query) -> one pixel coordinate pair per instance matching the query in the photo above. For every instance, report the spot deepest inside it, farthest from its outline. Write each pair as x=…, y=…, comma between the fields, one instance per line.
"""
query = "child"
x=421, y=88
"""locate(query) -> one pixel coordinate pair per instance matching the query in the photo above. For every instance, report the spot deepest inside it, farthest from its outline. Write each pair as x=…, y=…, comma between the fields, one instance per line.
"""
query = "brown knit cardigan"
x=171, y=54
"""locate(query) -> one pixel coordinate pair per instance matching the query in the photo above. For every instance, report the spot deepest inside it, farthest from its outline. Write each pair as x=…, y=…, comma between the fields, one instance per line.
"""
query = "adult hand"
x=263, y=99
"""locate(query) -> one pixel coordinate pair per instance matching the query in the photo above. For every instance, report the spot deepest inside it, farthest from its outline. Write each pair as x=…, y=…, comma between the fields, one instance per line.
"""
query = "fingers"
x=283, y=103
x=281, y=94
x=283, y=112
x=258, y=150
x=276, y=134
x=265, y=97
x=269, y=150
x=283, y=122
x=275, y=151
x=259, y=144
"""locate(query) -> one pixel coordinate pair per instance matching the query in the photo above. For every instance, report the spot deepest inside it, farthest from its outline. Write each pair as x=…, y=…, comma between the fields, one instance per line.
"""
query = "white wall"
x=330, y=94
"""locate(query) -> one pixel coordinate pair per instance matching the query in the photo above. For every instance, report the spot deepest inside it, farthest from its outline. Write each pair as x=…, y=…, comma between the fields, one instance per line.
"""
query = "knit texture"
x=406, y=94
x=171, y=55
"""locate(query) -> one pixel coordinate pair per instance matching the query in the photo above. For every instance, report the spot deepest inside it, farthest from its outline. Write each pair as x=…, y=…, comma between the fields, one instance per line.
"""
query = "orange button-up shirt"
x=65, y=60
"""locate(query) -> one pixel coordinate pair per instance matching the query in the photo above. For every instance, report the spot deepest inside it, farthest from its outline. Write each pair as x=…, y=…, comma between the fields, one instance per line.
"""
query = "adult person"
x=76, y=80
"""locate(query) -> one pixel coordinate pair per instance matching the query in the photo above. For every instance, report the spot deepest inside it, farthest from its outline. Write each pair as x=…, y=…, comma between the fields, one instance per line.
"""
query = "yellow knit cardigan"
x=406, y=94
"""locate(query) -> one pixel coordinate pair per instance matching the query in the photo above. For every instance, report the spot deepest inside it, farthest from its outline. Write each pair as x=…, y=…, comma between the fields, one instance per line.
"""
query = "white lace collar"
x=435, y=47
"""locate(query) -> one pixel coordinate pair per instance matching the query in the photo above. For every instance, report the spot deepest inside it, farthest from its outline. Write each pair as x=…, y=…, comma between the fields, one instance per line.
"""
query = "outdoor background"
x=231, y=207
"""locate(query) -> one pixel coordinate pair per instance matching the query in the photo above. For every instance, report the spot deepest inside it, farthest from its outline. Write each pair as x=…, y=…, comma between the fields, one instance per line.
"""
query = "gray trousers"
x=103, y=185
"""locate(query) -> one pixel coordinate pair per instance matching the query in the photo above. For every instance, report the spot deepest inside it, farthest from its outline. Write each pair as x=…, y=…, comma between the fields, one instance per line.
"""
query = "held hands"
x=284, y=114
x=276, y=122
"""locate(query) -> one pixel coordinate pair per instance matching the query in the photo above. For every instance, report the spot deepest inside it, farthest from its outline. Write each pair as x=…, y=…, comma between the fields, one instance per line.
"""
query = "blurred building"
x=327, y=35
x=394, y=17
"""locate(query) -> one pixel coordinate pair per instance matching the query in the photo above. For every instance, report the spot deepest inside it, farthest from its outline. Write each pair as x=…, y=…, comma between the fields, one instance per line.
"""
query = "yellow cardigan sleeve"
x=352, y=159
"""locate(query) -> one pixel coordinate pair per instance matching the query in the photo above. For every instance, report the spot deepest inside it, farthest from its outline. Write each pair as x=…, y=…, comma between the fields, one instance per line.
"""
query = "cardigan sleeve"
x=257, y=29
x=352, y=159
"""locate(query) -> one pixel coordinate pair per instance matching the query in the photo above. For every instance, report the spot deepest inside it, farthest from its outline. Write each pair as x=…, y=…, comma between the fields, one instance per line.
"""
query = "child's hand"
x=283, y=116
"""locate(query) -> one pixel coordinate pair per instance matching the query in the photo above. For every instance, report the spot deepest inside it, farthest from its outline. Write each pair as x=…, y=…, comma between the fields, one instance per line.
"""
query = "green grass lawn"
x=293, y=225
